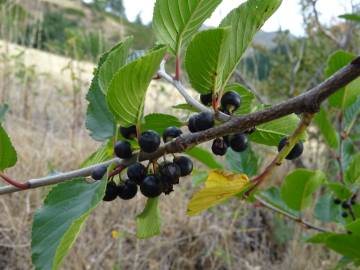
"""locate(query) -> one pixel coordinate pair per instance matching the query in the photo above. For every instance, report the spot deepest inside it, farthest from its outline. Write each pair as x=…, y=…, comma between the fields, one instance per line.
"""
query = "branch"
x=308, y=102
x=58, y=178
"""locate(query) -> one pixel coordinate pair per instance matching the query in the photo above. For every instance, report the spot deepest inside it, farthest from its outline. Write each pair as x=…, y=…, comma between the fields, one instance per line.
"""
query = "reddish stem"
x=116, y=171
x=14, y=183
x=177, y=68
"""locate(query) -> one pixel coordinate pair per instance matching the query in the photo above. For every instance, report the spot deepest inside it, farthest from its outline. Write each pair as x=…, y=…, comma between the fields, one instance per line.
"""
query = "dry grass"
x=231, y=236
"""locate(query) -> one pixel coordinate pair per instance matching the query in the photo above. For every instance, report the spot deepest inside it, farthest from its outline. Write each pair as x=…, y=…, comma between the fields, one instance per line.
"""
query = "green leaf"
x=351, y=113
x=351, y=93
x=204, y=63
x=340, y=191
x=319, y=238
x=245, y=21
x=352, y=174
x=185, y=107
x=345, y=244
x=57, y=223
x=159, y=122
x=351, y=17
x=299, y=186
x=8, y=156
x=114, y=61
x=272, y=196
x=335, y=62
x=247, y=98
x=246, y=162
x=326, y=210
x=99, y=120
x=148, y=223
x=175, y=22
x=354, y=227
x=326, y=128
x=3, y=110
x=126, y=93
x=204, y=157
x=347, y=153
x=271, y=133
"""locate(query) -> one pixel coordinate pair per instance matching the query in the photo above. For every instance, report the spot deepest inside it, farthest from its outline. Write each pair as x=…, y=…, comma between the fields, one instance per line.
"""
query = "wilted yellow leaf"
x=115, y=234
x=219, y=186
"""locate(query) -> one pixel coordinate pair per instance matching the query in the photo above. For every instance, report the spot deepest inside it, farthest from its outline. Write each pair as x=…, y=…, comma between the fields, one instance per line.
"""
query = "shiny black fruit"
x=123, y=149
x=151, y=186
x=219, y=147
x=127, y=190
x=171, y=133
x=128, y=132
x=185, y=164
x=239, y=142
x=99, y=172
x=149, y=141
x=136, y=172
x=230, y=101
x=111, y=192
x=295, y=152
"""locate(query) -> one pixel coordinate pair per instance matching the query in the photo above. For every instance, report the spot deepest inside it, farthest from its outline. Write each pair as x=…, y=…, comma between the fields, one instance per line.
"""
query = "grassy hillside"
x=70, y=28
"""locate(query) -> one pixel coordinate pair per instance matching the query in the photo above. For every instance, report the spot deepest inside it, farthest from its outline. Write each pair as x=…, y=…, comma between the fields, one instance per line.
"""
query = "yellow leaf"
x=219, y=186
x=115, y=234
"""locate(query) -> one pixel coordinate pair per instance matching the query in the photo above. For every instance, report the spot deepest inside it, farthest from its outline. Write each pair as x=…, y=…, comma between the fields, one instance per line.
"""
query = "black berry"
x=185, y=164
x=128, y=132
x=219, y=147
x=337, y=201
x=149, y=141
x=206, y=99
x=136, y=172
x=123, y=149
x=239, y=142
x=344, y=214
x=99, y=172
x=151, y=186
x=295, y=152
x=171, y=133
x=111, y=192
x=345, y=205
x=230, y=101
x=192, y=124
x=170, y=172
x=204, y=121
x=127, y=190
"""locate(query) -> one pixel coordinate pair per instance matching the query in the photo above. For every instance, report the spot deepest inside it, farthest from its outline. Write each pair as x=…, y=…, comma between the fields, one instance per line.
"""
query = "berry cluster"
x=151, y=183
x=345, y=205
x=230, y=102
x=160, y=179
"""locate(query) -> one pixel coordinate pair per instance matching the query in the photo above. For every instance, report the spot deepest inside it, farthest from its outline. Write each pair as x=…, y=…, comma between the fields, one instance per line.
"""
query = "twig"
x=189, y=99
x=292, y=140
x=308, y=102
x=58, y=178
x=290, y=216
x=239, y=77
x=13, y=182
x=321, y=28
